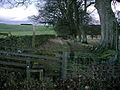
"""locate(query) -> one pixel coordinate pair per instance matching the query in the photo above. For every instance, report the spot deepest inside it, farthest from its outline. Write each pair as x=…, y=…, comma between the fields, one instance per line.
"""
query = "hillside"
x=21, y=30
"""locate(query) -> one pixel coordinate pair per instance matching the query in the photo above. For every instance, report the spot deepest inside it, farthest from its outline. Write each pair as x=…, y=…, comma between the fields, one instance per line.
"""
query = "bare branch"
x=15, y=3
x=90, y=4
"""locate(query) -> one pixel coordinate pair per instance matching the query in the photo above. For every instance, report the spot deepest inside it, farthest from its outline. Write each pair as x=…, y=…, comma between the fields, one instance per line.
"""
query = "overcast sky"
x=17, y=14
x=20, y=14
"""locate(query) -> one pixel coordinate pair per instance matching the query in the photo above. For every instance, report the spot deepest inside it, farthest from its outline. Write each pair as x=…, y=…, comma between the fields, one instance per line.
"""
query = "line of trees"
x=69, y=17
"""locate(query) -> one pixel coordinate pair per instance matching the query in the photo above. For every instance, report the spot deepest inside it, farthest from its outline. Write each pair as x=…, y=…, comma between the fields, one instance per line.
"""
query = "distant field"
x=21, y=30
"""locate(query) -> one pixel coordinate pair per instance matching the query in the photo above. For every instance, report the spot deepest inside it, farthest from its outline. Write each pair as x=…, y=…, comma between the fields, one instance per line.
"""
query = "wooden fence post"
x=64, y=65
x=41, y=74
x=28, y=73
x=33, y=37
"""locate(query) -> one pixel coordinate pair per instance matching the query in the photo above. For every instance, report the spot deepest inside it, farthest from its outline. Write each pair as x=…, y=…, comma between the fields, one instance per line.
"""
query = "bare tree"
x=69, y=15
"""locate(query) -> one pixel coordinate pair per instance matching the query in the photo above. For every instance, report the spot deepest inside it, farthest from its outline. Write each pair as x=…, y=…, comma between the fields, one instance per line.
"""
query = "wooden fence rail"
x=12, y=64
x=29, y=55
x=22, y=60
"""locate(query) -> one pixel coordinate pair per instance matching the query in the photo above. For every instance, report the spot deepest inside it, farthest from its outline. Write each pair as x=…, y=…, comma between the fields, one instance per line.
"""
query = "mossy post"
x=64, y=65
x=33, y=37
x=28, y=73
x=41, y=74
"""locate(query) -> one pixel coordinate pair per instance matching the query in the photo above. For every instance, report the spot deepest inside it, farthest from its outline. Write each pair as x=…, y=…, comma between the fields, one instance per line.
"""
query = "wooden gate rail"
x=12, y=64
x=44, y=61
x=29, y=55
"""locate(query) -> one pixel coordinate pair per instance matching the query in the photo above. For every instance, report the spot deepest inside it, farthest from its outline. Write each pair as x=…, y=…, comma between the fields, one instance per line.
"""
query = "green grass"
x=21, y=30
x=107, y=54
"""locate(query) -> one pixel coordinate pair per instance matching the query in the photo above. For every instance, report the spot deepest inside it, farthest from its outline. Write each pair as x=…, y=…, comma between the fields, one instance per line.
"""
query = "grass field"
x=21, y=30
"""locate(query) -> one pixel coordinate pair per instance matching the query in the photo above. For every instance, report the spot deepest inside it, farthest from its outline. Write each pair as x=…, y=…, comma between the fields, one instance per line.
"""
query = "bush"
x=26, y=41
x=62, y=28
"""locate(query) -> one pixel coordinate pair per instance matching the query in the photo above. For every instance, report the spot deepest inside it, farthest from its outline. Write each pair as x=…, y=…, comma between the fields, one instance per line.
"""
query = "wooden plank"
x=43, y=61
x=12, y=69
x=12, y=64
x=30, y=55
x=12, y=58
x=36, y=70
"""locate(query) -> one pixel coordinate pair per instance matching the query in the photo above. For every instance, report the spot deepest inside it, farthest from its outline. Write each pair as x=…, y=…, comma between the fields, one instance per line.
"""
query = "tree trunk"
x=76, y=21
x=108, y=24
x=84, y=36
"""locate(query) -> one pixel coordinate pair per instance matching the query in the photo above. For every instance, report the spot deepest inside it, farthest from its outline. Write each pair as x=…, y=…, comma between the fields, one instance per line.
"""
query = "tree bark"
x=76, y=10
x=84, y=36
x=108, y=24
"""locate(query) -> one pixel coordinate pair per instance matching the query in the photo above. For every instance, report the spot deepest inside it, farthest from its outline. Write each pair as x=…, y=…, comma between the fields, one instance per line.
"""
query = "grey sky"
x=17, y=14
x=20, y=14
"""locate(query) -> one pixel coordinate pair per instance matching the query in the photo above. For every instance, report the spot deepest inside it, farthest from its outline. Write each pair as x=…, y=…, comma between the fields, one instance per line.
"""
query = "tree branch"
x=90, y=4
